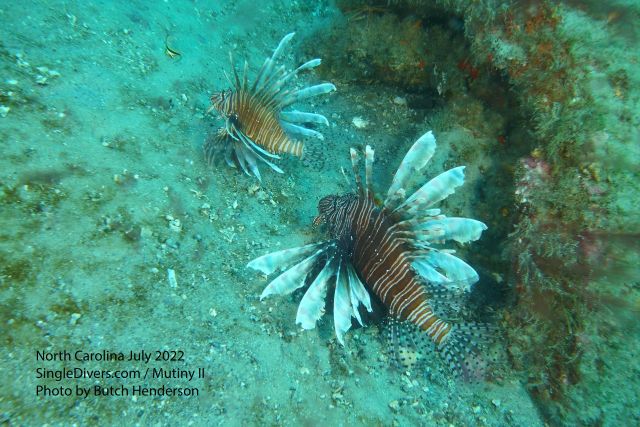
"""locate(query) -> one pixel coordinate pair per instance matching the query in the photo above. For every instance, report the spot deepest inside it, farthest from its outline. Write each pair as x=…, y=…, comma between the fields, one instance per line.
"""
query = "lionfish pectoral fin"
x=292, y=129
x=356, y=294
x=308, y=92
x=303, y=117
x=312, y=305
x=255, y=147
x=455, y=269
x=239, y=151
x=462, y=230
x=341, y=305
x=414, y=161
x=256, y=152
x=291, y=279
x=251, y=157
x=436, y=190
x=265, y=71
x=267, y=264
x=359, y=293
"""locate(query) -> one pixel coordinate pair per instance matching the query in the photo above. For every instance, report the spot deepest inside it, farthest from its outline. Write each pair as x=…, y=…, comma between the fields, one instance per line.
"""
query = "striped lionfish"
x=388, y=249
x=256, y=129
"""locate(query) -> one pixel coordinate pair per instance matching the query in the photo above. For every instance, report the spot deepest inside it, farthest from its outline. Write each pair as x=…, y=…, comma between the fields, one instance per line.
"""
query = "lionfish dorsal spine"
x=368, y=172
x=414, y=161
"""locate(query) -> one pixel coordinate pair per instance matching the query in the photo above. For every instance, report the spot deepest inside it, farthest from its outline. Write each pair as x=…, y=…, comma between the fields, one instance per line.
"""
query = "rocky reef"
x=539, y=97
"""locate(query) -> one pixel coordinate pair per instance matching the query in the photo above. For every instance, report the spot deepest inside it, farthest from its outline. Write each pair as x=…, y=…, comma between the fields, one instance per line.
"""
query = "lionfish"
x=389, y=249
x=256, y=129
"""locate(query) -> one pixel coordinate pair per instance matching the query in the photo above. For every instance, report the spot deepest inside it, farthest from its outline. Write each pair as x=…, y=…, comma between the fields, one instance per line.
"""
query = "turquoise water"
x=125, y=296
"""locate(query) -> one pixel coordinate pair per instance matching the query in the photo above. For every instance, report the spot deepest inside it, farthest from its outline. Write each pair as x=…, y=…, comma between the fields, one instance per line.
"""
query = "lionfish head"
x=218, y=100
x=329, y=207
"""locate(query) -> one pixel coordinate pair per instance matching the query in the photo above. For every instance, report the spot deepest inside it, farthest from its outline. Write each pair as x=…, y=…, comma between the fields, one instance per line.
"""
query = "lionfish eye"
x=233, y=118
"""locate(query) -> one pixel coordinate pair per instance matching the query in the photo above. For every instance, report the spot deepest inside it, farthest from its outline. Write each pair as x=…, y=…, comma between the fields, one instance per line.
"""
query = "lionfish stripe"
x=311, y=306
x=436, y=190
x=341, y=306
x=291, y=279
x=415, y=159
x=273, y=261
x=406, y=298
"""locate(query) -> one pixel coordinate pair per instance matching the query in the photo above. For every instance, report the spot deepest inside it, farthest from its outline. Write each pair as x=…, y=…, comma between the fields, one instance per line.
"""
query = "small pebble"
x=359, y=122
x=74, y=318
x=171, y=276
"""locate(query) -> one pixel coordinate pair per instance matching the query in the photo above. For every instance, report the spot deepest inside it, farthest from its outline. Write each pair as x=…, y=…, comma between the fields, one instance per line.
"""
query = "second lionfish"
x=256, y=127
x=391, y=251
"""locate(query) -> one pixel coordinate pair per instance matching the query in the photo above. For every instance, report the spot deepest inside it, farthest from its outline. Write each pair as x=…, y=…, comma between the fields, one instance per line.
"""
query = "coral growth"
x=568, y=166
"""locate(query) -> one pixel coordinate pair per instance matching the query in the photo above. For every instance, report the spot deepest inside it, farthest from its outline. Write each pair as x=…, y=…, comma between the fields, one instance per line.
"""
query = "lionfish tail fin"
x=465, y=350
x=408, y=346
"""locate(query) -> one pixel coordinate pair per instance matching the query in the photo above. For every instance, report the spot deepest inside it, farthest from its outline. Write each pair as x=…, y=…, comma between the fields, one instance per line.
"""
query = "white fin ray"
x=309, y=64
x=307, y=92
x=291, y=279
x=358, y=294
x=456, y=270
x=311, y=306
x=415, y=160
x=342, y=310
x=303, y=117
x=462, y=230
x=428, y=273
x=436, y=190
x=292, y=129
x=368, y=171
x=251, y=158
x=273, y=261
x=267, y=67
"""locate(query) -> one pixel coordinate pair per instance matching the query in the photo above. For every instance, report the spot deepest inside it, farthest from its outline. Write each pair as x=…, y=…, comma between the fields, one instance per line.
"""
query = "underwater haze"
x=160, y=158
